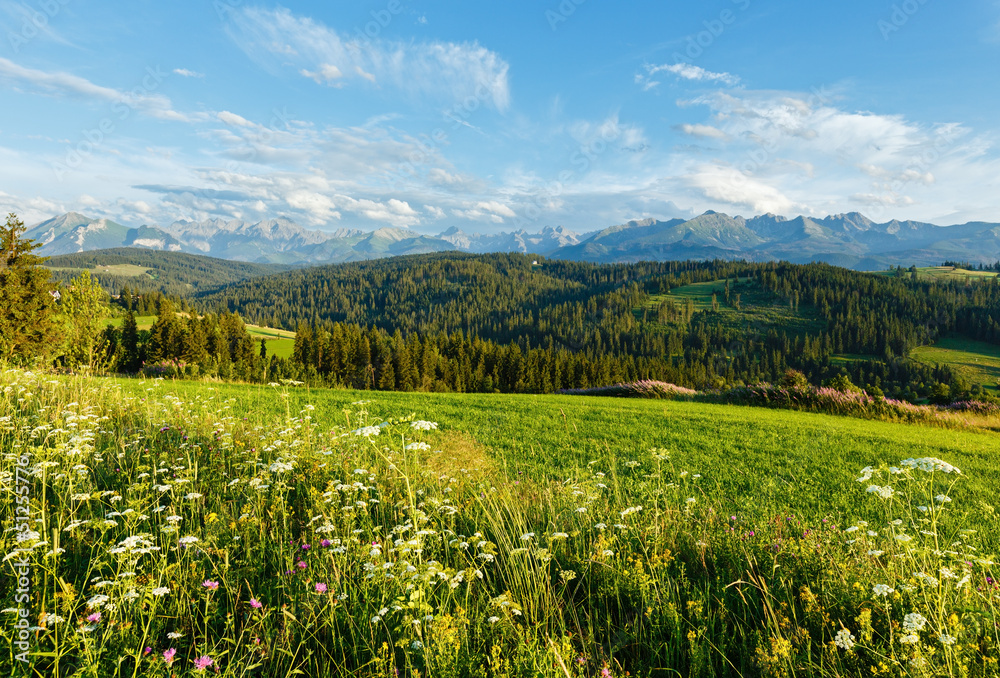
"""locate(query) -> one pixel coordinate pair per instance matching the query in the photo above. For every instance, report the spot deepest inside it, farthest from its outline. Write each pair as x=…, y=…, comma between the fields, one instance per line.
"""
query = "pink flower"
x=168, y=656
x=301, y=565
x=320, y=587
x=147, y=650
x=210, y=585
x=94, y=618
x=202, y=663
x=255, y=604
x=605, y=672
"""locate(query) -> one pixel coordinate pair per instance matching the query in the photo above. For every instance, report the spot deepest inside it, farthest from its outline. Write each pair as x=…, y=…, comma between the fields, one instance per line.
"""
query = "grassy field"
x=975, y=361
x=757, y=308
x=185, y=528
x=124, y=270
x=946, y=273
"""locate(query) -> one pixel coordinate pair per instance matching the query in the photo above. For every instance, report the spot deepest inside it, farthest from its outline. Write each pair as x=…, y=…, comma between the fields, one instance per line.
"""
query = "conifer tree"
x=27, y=298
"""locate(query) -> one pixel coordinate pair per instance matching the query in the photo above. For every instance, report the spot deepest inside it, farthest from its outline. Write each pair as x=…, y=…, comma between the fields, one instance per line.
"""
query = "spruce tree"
x=27, y=298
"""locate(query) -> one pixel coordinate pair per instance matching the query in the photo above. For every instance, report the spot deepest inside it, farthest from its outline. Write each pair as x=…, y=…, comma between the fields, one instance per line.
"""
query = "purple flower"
x=210, y=585
x=94, y=618
x=325, y=543
x=147, y=650
x=320, y=587
x=255, y=604
x=301, y=565
x=168, y=656
x=202, y=663
x=306, y=547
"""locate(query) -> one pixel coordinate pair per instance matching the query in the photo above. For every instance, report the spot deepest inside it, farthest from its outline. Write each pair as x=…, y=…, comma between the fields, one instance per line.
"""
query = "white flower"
x=930, y=464
x=368, y=431
x=882, y=590
x=528, y=536
x=161, y=591
x=560, y=535
x=852, y=528
x=191, y=496
x=844, y=640
x=493, y=620
x=189, y=540
x=281, y=466
x=903, y=538
x=420, y=447
x=945, y=639
x=942, y=499
x=914, y=622
x=909, y=639
x=423, y=425
x=173, y=635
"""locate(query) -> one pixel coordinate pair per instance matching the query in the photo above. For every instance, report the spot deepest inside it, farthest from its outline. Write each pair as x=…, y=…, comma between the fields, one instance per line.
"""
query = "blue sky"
x=496, y=115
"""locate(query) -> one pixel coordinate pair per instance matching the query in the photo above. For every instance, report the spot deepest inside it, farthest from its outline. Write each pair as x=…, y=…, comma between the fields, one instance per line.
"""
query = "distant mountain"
x=74, y=232
x=548, y=240
x=848, y=240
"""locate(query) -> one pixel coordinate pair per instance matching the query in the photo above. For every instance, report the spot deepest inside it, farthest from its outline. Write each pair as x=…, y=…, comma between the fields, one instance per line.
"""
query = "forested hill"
x=144, y=270
x=694, y=323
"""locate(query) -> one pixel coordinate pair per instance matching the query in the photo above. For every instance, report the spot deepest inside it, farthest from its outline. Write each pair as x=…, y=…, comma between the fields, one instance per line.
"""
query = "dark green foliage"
x=486, y=322
x=172, y=273
x=27, y=305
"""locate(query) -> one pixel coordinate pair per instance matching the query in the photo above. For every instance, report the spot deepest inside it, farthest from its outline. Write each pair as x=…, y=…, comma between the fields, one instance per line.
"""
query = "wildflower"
x=852, y=528
x=202, y=663
x=320, y=587
x=94, y=618
x=903, y=538
x=909, y=639
x=188, y=540
x=914, y=622
x=210, y=585
x=690, y=500
x=168, y=656
x=942, y=499
x=255, y=604
x=945, y=639
x=420, y=447
x=423, y=425
x=560, y=535
x=368, y=431
x=930, y=464
x=882, y=590
x=173, y=635
x=493, y=620
x=527, y=536
x=844, y=640
x=161, y=591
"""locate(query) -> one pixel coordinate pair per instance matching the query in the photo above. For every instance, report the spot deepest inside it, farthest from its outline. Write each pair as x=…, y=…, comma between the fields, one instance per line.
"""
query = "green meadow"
x=198, y=528
x=975, y=361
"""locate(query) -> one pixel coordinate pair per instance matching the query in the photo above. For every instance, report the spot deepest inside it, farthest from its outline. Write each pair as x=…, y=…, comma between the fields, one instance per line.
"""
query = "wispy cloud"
x=455, y=71
x=685, y=72
x=188, y=74
x=59, y=84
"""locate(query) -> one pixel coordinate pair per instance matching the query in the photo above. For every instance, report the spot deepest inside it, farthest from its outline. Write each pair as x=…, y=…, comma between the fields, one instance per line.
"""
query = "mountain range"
x=848, y=240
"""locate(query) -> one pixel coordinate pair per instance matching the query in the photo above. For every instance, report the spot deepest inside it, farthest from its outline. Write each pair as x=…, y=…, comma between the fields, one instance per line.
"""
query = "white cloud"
x=141, y=97
x=704, y=131
x=685, y=72
x=188, y=74
x=422, y=69
x=729, y=186
x=328, y=74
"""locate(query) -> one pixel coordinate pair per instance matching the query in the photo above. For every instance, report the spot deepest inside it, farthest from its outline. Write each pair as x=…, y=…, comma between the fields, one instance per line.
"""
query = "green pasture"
x=757, y=462
x=975, y=361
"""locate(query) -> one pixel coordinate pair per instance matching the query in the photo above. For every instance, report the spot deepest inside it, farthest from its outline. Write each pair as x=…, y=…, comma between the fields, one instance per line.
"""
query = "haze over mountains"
x=849, y=240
